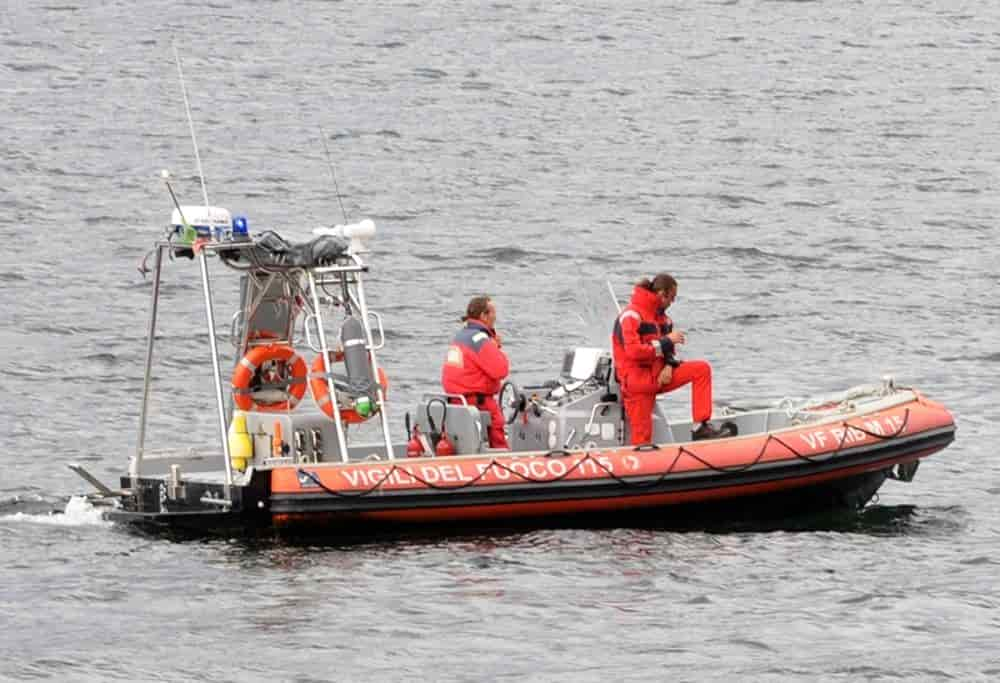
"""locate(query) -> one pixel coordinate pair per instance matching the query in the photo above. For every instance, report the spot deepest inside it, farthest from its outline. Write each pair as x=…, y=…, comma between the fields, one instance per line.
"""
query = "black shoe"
x=707, y=431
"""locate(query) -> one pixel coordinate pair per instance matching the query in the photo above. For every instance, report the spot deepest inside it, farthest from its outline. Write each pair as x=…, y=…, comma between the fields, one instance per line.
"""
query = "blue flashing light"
x=240, y=228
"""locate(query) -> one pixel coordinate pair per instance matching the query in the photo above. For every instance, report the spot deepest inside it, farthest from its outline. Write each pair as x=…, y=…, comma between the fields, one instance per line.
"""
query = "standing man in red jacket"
x=475, y=365
x=643, y=344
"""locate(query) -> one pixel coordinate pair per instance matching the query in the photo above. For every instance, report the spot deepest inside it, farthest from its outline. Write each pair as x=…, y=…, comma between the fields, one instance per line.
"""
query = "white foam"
x=78, y=512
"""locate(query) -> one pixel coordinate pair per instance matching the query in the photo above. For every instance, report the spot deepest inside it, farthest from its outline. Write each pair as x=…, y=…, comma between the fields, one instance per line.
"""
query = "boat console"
x=582, y=408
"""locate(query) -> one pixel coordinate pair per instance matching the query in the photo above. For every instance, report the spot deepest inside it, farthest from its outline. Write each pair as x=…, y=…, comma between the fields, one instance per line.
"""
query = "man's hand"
x=677, y=337
x=666, y=374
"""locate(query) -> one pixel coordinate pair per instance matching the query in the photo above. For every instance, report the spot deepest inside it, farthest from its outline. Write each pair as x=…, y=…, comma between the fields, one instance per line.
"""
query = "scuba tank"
x=357, y=362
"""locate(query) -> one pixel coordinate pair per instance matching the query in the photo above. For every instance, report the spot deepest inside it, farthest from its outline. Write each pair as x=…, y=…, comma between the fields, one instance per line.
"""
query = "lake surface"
x=821, y=177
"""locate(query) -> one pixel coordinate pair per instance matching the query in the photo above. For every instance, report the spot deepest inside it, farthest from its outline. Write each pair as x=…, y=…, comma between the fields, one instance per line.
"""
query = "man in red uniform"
x=475, y=365
x=643, y=345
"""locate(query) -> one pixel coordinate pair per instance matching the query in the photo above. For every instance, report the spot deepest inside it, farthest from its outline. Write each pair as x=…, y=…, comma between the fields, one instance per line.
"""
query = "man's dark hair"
x=662, y=282
x=478, y=305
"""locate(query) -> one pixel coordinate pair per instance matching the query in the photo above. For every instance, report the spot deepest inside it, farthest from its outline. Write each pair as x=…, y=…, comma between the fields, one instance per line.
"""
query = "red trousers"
x=498, y=439
x=639, y=407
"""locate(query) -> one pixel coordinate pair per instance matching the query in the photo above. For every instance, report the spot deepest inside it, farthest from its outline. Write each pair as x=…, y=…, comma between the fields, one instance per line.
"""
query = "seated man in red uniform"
x=475, y=366
x=643, y=345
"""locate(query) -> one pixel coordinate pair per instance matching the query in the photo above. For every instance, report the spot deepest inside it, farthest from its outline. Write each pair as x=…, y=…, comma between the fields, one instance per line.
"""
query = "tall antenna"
x=613, y=297
x=194, y=140
x=329, y=162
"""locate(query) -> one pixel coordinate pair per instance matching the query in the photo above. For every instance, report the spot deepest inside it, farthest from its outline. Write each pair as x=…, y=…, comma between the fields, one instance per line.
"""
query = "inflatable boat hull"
x=826, y=466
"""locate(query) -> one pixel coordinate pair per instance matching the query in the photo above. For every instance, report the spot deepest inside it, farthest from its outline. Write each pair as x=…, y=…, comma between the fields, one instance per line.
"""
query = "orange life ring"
x=321, y=391
x=247, y=367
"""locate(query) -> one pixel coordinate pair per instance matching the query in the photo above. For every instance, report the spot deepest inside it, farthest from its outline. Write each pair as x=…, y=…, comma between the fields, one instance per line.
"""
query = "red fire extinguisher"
x=414, y=447
x=443, y=445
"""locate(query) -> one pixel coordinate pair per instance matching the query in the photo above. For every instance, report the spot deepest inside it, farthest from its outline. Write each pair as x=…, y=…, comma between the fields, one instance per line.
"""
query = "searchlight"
x=355, y=232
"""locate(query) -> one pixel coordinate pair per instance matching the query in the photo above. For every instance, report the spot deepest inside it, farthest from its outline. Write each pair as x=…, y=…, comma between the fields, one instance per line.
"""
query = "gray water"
x=820, y=176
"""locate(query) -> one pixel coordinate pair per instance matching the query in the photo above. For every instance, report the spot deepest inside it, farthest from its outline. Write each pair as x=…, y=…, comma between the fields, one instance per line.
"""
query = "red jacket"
x=474, y=364
x=639, y=344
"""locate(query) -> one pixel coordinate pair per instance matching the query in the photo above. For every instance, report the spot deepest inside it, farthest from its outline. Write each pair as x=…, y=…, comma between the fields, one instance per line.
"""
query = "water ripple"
x=822, y=190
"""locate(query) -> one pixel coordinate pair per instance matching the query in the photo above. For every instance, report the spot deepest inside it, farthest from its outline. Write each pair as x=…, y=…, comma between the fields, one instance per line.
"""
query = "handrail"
x=323, y=270
x=305, y=328
x=325, y=355
x=219, y=397
x=135, y=467
x=237, y=320
x=593, y=413
x=373, y=361
x=428, y=397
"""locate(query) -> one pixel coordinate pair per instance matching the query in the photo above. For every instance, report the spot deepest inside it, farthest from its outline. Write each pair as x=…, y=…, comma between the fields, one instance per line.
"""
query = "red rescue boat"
x=286, y=462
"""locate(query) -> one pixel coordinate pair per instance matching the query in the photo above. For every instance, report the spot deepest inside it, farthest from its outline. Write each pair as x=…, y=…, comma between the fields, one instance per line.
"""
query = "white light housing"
x=203, y=218
x=355, y=232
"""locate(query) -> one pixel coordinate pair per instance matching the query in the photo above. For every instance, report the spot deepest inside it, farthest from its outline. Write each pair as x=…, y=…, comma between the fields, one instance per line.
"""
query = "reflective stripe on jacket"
x=474, y=363
x=639, y=345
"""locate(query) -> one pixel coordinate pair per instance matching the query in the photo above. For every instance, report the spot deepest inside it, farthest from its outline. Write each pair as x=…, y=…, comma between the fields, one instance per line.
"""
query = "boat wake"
x=77, y=511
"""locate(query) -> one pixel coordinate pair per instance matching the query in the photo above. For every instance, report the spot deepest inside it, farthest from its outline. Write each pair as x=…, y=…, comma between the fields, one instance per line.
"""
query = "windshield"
x=596, y=312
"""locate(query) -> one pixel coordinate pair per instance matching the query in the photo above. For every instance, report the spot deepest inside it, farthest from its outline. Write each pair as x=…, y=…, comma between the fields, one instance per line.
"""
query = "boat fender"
x=240, y=444
x=248, y=366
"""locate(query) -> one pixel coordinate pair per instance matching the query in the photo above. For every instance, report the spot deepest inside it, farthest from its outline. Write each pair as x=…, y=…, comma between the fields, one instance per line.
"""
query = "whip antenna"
x=194, y=140
x=329, y=162
x=613, y=297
